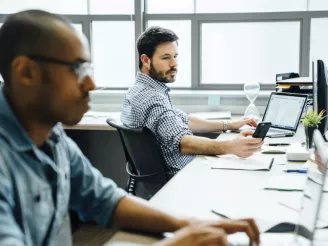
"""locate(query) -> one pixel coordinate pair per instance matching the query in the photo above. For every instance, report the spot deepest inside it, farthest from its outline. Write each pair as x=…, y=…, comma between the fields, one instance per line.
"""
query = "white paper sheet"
x=266, y=214
x=256, y=162
x=289, y=182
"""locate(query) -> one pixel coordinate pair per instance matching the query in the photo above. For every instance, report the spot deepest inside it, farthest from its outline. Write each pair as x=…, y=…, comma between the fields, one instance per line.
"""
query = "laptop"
x=310, y=209
x=284, y=111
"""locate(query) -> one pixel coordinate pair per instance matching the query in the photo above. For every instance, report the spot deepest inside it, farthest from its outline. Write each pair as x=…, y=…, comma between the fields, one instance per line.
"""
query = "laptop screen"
x=312, y=194
x=284, y=110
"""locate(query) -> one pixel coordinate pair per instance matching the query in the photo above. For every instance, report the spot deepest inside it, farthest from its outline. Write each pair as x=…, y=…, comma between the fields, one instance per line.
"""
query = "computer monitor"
x=320, y=92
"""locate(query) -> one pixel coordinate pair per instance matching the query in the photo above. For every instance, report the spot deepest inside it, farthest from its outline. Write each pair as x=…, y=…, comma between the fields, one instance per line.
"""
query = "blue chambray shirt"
x=148, y=104
x=36, y=191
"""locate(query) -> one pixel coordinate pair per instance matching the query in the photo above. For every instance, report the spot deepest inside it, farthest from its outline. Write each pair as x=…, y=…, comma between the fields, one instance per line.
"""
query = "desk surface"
x=193, y=190
x=97, y=120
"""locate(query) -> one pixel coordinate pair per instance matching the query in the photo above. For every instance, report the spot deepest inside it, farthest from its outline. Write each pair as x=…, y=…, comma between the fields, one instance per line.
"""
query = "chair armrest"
x=139, y=177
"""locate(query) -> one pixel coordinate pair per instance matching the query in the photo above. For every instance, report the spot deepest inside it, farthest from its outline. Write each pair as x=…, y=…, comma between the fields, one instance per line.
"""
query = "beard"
x=160, y=75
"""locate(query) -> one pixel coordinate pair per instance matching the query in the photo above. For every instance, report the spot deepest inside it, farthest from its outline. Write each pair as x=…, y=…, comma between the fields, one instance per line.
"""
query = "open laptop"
x=284, y=111
x=309, y=213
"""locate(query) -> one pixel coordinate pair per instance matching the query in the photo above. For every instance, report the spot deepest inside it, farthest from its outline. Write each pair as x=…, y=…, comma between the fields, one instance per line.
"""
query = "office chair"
x=145, y=164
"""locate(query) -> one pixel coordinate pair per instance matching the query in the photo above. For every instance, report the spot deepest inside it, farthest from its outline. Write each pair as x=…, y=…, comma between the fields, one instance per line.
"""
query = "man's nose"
x=88, y=83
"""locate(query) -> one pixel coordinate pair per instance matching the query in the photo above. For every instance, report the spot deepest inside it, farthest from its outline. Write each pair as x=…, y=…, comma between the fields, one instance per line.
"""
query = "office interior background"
x=223, y=44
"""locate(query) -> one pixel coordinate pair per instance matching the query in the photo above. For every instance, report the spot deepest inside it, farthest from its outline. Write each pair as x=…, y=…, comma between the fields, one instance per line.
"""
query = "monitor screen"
x=281, y=116
x=312, y=194
x=320, y=92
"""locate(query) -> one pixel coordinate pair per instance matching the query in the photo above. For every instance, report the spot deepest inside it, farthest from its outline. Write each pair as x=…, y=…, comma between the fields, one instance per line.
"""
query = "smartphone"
x=262, y=130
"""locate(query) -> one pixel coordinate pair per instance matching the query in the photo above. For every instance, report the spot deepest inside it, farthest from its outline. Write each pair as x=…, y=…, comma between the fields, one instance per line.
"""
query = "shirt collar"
x=154, y=83
x=13, y=131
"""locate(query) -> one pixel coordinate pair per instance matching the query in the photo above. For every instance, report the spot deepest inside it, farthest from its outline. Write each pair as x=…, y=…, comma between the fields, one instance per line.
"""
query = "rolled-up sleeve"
x=166, y=123
x=10, y=232
x=182, y=115
x=93, y=196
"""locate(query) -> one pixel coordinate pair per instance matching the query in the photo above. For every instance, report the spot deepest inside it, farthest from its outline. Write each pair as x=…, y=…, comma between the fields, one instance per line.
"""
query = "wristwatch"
x=225, y=125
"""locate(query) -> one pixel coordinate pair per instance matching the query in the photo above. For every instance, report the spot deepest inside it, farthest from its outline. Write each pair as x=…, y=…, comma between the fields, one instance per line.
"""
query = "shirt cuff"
x=178, y=137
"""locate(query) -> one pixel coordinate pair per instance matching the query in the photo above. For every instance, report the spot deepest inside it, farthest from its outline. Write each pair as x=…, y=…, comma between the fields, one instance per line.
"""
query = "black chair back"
x=145, y=164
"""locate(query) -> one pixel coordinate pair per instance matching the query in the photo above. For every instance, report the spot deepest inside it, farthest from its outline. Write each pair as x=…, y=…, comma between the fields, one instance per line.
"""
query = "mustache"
x=172, y=70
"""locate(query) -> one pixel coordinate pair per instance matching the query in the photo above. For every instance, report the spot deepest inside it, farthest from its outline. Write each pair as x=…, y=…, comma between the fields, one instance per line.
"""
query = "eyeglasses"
x=80, y=69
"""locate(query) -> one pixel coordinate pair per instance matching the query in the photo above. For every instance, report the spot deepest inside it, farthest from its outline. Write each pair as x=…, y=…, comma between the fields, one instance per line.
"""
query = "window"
x=318, y=5
x=183, y=30
x=238, y=6
x=319, y=40
x=234, y=53
x=252, y=40
x=113, y=46
x=169, y=6
x=112, y=7
x=55, y=6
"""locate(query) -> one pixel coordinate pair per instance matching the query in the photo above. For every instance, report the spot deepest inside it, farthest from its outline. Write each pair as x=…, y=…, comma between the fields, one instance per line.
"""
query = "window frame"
x=141, y=18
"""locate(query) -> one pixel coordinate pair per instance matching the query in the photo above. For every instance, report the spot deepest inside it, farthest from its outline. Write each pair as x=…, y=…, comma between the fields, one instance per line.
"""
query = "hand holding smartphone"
x=261, y=130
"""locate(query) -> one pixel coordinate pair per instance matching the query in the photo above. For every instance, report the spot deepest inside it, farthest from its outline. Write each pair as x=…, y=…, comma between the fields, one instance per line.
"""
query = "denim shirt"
x=37, y=189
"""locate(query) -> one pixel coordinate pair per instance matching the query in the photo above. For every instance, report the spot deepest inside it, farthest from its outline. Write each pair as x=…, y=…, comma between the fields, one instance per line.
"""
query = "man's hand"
x=197, y=235
x=213, y=233
x=235, y=125
x=244, y=145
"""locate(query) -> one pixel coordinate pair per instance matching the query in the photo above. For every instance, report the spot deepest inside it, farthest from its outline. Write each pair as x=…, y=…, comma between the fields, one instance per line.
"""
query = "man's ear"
x=145, y=61
x=25, y=71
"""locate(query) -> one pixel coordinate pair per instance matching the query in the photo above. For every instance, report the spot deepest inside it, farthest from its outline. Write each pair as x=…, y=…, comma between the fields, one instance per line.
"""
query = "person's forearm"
x=199, y=125
x=193, y=145
x=135, y=213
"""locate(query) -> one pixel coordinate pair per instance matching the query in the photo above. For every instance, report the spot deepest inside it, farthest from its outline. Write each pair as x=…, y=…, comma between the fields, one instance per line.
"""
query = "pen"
x=278, y=144
x=222, y=215
x=296, y=171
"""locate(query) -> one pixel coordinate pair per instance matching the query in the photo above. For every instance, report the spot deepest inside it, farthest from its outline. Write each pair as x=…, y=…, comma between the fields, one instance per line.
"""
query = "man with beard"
x=148, y=104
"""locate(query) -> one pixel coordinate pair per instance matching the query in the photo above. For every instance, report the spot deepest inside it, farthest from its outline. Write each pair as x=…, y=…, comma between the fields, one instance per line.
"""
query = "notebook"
x=291, y=181
x=256, y=162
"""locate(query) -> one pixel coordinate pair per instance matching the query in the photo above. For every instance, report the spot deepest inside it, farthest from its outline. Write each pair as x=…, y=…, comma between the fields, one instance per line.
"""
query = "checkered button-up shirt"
x=148, y=104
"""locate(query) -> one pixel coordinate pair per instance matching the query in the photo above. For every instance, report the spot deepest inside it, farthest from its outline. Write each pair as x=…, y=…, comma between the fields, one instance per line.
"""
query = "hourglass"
x=251, y=90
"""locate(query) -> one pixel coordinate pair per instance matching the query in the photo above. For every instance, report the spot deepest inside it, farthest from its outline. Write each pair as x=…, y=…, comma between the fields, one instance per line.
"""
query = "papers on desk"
x=289, y=182
x=256, y=162
x=214, y=115
x=270, y=216
x=295, y=203
x=266, y=214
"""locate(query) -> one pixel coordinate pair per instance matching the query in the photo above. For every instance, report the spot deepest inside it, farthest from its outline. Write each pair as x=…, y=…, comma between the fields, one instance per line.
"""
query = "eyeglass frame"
x=76, y=67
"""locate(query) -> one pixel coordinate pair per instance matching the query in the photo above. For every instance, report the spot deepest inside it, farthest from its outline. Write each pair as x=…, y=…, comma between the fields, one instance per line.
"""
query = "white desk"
x=97, y=120
x=196, y=188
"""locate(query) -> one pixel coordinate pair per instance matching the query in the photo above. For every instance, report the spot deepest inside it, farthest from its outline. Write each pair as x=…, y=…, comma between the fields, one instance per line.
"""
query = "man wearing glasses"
x=46, y=67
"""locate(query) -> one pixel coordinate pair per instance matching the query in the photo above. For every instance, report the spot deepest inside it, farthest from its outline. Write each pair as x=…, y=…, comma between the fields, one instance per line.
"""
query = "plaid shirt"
x=148, y=104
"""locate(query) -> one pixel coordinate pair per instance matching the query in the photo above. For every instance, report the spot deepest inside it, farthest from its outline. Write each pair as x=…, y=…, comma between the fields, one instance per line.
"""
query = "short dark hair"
x=151, y=38
x=26, y=32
